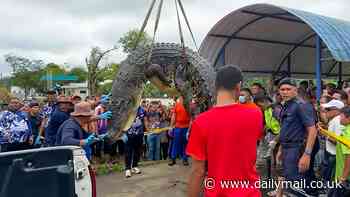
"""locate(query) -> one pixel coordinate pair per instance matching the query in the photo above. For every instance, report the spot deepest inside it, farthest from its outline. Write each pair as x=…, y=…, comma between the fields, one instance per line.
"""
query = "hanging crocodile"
x=172, y=69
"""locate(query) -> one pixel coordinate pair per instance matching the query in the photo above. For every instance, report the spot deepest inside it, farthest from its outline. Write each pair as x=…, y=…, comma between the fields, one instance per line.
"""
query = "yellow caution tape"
x=335, y=137
x=157, y=130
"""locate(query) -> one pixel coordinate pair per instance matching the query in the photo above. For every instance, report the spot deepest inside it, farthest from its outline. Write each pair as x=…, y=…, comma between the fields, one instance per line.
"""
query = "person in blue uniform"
x=298, y=137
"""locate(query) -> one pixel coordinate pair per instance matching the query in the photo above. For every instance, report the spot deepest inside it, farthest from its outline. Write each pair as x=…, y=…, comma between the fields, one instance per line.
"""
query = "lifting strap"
x=182, y=40
x=142, y=30
x=155, y=30
x=188, y=24
x=145, y=22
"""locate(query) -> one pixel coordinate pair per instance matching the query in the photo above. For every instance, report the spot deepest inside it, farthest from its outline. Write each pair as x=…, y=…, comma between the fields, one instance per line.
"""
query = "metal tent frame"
x=264, y=39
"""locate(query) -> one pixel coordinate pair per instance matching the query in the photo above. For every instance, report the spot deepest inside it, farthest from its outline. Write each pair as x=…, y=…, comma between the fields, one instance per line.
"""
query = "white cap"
x=333, y=104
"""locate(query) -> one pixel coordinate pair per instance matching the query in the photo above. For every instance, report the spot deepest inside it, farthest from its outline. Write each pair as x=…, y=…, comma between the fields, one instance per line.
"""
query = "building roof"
x=260, y=37
x=59, y=78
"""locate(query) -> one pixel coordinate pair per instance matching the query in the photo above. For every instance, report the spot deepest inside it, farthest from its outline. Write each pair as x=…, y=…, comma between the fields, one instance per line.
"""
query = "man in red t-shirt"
x=225, y=137
x=180, y=121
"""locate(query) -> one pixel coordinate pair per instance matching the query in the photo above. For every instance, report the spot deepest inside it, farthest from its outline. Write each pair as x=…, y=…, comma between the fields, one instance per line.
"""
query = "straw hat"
x=82, y=109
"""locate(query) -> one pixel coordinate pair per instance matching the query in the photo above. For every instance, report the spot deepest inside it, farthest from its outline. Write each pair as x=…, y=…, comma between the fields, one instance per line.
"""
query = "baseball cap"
x=287, y=81
x=334, y=104
x=228, y=76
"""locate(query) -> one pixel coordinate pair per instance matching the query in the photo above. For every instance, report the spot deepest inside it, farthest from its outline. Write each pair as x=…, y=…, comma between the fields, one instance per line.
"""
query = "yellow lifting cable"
x=335, y=137
x=157, y=130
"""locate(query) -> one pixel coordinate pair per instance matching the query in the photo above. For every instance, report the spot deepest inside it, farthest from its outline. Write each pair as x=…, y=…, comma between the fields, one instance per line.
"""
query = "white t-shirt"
x=334, y=126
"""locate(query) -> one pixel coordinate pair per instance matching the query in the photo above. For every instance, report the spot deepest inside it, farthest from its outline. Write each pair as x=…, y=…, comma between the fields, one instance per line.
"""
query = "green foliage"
x=132, y=38
x=107, y=73
x=117, y=168
x=105, y=88
x=5, y=95
x=103, y=169
x=80, y=72
x=151, y=91
x=54, y=69
x=26, y=73
x=249, y=82
x=92, y=63
x=5, y=82
x=50, y=69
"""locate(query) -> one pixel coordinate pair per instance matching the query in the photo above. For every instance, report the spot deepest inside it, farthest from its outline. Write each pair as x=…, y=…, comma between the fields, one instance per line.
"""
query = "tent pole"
x=221, y=58
x=318, y=68
x=340, y=74
x=289, y=64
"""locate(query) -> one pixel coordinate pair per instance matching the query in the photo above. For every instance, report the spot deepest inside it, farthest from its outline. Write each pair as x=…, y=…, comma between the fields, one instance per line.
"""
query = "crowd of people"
x=292, y=120
x=275, y=130
x=144, y=135
x=248, y=127
x=60, y=120
x=63, y=120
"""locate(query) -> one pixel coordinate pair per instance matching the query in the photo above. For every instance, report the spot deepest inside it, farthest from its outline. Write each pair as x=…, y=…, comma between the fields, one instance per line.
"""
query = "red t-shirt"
x=226, y=137
x=182, y=119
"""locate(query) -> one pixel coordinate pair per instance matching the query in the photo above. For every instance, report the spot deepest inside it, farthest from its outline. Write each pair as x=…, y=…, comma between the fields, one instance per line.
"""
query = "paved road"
x=158, y=180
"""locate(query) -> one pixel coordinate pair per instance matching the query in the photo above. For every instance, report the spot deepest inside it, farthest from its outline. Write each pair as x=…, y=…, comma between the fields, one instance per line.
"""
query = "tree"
x=49, y=70
x=96, y=55
x=80, y=72
x=130, y=39
x=108, y=72
x=5, y=82
x=25, y=72
x=20, y=64
x=5, y=95
x=107, y=75
x=54, y=69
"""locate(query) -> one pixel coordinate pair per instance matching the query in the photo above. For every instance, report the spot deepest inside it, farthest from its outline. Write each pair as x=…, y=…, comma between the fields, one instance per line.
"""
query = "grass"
x=103, y=169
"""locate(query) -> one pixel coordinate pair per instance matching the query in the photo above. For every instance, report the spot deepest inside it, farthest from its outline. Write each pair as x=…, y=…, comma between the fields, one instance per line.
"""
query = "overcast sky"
x=63, y=31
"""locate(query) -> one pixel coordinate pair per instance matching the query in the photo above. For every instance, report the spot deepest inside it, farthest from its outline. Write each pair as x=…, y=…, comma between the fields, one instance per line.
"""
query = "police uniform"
x=296, y=116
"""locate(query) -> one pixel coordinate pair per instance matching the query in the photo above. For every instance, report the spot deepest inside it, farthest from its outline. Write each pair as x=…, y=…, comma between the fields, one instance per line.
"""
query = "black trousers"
x=105, y=147
x=164, y=151
x=133, y=151
x=328, y=170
